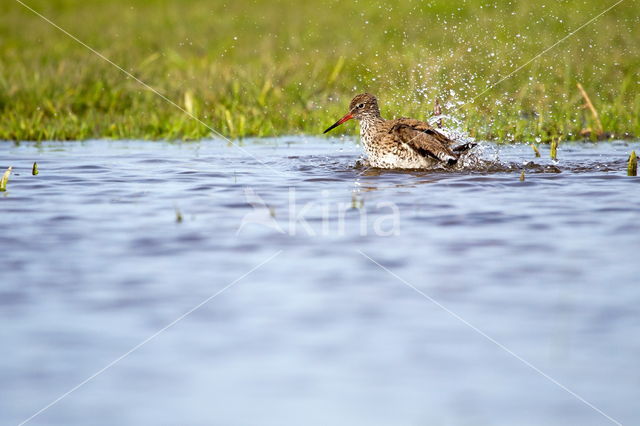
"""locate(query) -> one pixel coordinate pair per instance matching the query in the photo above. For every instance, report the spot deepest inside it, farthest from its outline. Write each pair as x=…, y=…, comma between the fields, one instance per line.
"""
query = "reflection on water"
x=93, y=262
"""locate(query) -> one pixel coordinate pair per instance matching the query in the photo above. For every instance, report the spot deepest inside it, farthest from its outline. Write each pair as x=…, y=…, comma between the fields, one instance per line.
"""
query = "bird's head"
x=362, y=106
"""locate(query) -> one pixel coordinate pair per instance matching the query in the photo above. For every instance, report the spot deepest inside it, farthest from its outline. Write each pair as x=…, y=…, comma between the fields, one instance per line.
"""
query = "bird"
x=401, y=143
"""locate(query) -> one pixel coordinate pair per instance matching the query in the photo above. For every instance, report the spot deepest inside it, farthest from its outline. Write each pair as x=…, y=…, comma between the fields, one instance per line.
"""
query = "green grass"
x=632, y=165
x=5, y=179
x=264, y=68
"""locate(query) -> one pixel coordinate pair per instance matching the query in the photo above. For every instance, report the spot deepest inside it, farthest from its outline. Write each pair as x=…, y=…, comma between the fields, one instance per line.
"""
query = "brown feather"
x=426, y=142
x=427, y=128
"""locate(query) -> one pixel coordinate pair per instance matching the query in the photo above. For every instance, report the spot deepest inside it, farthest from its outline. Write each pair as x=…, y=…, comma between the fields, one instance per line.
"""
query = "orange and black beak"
x=347, y=117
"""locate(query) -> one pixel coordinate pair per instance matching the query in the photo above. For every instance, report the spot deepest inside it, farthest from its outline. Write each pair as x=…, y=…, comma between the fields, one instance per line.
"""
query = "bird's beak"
x=347, y=117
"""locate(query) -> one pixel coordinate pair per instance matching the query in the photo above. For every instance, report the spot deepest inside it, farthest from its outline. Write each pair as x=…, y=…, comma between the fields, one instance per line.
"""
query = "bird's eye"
x=361, y=106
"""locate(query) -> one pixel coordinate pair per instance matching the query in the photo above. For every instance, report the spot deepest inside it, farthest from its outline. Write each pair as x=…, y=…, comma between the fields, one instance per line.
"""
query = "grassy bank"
x=288, y=67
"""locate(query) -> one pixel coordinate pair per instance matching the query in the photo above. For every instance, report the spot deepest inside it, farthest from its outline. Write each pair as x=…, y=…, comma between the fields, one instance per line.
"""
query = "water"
x=94, y=262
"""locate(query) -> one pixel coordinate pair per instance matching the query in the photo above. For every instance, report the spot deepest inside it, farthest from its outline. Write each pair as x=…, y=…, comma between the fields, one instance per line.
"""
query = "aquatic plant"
x=554, y=149
x=535, y=150
x=632, y=165
x=5, y=179
x=34, y=169
x=357, y=202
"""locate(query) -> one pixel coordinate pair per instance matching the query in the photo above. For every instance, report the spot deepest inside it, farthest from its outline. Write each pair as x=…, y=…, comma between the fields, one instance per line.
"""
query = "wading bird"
x=402, y=143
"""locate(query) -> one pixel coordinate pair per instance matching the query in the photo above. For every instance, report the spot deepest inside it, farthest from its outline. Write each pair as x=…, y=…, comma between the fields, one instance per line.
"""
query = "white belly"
x=403, y=158
x=392, y=161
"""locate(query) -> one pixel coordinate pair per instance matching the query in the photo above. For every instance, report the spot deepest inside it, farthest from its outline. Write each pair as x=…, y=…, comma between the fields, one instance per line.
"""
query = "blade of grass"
x=632, y=165
x=535, y=150
x=5, y=179
x=554, y=149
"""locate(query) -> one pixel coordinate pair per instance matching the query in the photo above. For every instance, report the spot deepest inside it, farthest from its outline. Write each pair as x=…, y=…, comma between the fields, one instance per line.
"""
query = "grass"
x=5, y=179
x=264, y=68
x=554, y=149
x=632, y=164
x=536, y=151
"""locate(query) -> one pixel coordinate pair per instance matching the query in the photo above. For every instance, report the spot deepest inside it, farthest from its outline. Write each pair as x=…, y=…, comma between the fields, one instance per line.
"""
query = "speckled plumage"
x=402, y=143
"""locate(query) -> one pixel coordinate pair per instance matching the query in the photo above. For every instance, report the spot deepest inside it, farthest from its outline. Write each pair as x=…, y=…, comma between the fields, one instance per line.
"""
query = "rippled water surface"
x=317, y=292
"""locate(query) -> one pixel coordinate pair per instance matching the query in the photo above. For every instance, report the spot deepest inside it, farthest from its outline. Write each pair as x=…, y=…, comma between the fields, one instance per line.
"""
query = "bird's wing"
x=427, y=128
x=424, y=139
x=416, y=124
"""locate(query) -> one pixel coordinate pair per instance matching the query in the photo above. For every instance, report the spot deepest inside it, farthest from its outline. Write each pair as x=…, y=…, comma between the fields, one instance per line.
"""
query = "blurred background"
x=282, y=67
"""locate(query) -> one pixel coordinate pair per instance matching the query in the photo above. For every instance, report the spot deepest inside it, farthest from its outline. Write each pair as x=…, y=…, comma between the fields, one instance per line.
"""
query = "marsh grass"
x=632, y=165
x=283, y=67
x=553, y=150
x=536, y=151
x=4, y=180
